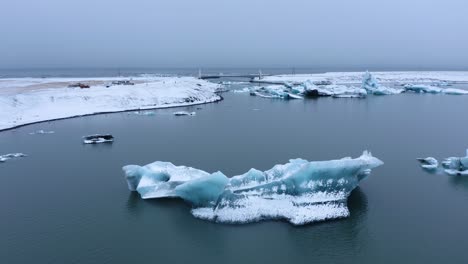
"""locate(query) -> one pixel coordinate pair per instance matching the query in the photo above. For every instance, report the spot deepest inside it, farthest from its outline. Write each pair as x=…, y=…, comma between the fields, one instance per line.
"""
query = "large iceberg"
x=299, y=191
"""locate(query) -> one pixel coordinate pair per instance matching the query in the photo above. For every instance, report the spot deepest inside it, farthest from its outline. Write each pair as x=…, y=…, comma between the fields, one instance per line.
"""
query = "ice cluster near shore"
x=299, y=191
x=38, y=99
x=345, y=85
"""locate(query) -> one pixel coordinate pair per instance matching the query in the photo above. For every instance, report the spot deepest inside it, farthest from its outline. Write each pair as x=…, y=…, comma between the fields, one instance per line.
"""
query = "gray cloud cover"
x=242, y=33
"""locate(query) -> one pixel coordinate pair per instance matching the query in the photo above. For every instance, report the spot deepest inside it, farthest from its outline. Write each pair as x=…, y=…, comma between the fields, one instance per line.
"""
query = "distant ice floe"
x=41, y=132
x=327, y=87
x=419, y=88
x=144, y=113
x=299, y=191
x=451, y=165
x=244, y=90
x=184, y=113
x=6, y=157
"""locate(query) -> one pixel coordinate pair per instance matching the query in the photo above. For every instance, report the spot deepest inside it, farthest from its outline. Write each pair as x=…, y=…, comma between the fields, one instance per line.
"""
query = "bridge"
x=258, y=75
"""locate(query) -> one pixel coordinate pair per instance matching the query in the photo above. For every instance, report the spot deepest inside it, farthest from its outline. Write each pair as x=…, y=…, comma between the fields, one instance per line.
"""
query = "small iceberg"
x=6, y=157
x=184, y=113
x=41, y=132
x=428, y=163
x=98, y=138
x=299, y=191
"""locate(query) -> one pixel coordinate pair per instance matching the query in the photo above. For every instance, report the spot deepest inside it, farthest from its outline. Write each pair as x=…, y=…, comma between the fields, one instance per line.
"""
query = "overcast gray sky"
x=235, y=33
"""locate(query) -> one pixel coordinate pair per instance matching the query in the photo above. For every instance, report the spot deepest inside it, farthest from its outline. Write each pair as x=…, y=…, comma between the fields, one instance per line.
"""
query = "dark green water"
x=68, y=203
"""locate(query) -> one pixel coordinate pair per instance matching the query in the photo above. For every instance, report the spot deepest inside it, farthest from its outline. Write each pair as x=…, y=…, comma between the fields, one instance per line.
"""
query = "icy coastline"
x=402, y=77
x=343, y=85
x=30, y=100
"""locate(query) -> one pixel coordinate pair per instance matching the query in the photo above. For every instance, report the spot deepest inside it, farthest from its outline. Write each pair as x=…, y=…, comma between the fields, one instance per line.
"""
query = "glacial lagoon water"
x=69, y=203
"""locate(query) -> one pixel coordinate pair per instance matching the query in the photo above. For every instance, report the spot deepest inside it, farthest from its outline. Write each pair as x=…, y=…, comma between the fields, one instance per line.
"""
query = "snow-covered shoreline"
x=40, y=100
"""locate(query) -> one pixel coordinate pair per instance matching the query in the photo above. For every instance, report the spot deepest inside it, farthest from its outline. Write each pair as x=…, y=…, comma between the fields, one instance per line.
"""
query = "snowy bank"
x=29, y=100
x=342, y=85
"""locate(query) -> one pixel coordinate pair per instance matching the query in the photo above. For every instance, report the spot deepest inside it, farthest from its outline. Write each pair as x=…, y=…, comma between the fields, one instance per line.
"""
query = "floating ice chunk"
x=41, y=132
x=456, y=165
x=6, y=157
x=98, y=138
x=273, y=91
x=453, y=91
x=294, y=96
x=419, y=88
x=429, y=163
x=184, y=113
x=372, y=86
x=244, y=90
x=145, y=113
x=299, y=191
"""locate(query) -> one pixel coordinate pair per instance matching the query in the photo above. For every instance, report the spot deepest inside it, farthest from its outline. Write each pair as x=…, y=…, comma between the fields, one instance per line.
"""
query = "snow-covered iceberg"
x=372, y=86
x=299, y=191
